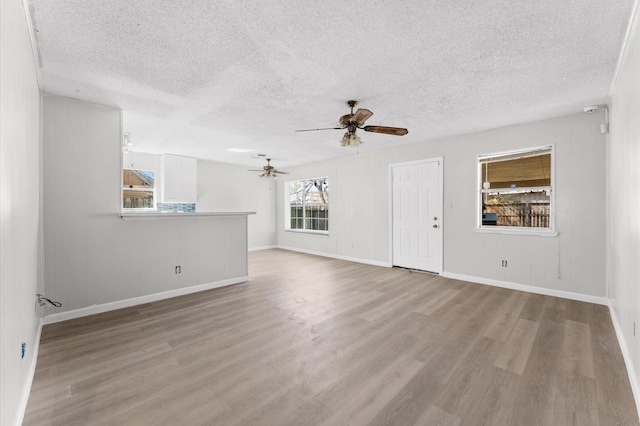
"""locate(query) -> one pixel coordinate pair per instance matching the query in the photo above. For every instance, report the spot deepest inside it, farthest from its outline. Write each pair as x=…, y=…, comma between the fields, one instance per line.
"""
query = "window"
x=308, y=205
x=138, y=189
x=516, y=190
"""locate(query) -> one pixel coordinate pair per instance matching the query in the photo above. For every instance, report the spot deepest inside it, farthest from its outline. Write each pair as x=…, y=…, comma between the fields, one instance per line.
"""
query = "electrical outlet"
x=23, y=350
x=178, y=269
x=504, y=263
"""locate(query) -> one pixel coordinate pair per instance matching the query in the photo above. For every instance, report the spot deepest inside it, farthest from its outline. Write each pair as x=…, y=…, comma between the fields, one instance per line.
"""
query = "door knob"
x=435, y=226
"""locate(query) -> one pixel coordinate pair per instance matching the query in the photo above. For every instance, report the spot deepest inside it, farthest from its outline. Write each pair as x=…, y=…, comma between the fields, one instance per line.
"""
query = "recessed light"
x=240, y=150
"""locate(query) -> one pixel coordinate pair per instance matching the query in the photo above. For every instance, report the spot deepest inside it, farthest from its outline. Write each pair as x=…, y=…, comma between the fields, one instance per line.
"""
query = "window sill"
x=517, y=231
x=307, y=231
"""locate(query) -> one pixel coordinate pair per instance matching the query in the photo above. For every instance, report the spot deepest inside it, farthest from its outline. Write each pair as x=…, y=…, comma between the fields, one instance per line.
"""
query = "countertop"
x=171, y=215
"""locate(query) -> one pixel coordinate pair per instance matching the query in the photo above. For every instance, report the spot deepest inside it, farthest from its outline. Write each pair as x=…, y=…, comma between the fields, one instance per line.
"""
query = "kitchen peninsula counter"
x=174, y=215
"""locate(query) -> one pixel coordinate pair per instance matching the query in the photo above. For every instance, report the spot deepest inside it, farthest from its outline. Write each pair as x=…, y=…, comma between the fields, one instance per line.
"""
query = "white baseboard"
x=31, y=374
x=90, y=310
x=529, y=288
x=111, y=306
x=479, y=280
x=262, y=248
x=337, y=256
x=631, y=371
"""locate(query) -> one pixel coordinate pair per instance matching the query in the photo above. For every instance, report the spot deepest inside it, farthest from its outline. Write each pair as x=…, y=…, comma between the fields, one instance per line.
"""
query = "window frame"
x=287, y=209
x=549, y=231
x=154, y=191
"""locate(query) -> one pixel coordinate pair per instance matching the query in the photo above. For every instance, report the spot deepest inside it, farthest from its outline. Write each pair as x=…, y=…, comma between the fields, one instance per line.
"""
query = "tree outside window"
x=309, y=205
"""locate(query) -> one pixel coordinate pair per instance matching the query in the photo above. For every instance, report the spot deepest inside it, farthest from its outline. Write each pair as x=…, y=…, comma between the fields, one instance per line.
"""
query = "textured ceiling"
x=200, y=77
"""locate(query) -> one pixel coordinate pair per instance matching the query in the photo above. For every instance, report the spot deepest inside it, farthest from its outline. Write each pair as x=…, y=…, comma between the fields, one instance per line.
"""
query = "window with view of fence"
x=521, y=212
x=516, y=189
x=138, y=189
x=310, y=217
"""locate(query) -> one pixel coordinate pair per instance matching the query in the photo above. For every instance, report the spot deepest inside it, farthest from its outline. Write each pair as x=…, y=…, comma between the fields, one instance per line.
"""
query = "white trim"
x=550, y=231
x=514, y=155
x=539, y=232
x=153, y=215
x=308, y=231
x=523, y=150
x=126, y=303
x=337, y=256
x=529, y=288
x=518, y=190
x=472, y=279
x=623, y=48
x=631, y=372
x=287, y=207
x=440, y=161
x=26, y=391
x=32, y=39
x=262, y=248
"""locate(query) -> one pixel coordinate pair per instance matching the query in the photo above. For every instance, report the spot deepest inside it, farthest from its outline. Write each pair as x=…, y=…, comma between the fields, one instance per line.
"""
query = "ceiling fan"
x=269, y=171
x=355, y=121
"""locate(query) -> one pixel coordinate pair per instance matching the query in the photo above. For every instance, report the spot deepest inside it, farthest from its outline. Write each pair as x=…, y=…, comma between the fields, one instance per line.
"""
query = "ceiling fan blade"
x=279, y=172
x=360, y=116
x=255, y=170
x=324, y=128
x=396, y=131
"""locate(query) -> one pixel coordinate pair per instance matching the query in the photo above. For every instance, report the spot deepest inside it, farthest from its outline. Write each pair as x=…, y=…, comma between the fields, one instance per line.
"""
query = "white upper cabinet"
x=179, y=179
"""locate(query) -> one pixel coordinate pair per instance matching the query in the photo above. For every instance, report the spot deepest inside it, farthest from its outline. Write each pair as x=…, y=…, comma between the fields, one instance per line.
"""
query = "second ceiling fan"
x=269, y=171
x=354, y=121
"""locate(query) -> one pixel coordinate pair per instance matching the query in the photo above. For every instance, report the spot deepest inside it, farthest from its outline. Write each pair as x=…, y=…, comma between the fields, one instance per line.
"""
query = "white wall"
x=142, y=161
x=92, y=256
x=623, y=204
x=228, y=188
x=19, y=209
x=574, y=261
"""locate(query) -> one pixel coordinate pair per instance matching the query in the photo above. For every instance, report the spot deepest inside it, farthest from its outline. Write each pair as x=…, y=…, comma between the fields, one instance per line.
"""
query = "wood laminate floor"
x=318, y=341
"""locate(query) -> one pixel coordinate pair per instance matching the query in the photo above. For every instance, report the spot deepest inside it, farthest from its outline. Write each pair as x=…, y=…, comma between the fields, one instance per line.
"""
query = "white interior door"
x=417, y=215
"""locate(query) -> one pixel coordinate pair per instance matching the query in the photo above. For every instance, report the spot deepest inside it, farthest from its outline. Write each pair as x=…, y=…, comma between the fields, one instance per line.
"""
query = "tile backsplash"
x=177, y=207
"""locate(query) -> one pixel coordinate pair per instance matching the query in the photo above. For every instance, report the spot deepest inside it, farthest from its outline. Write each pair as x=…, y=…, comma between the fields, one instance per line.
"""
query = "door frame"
x=440, y=161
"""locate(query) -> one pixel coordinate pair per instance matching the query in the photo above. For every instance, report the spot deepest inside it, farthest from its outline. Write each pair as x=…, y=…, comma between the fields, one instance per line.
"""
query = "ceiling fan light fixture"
x=126, y=142
x=353, y=121
x=350, y=139
x=268, y=171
